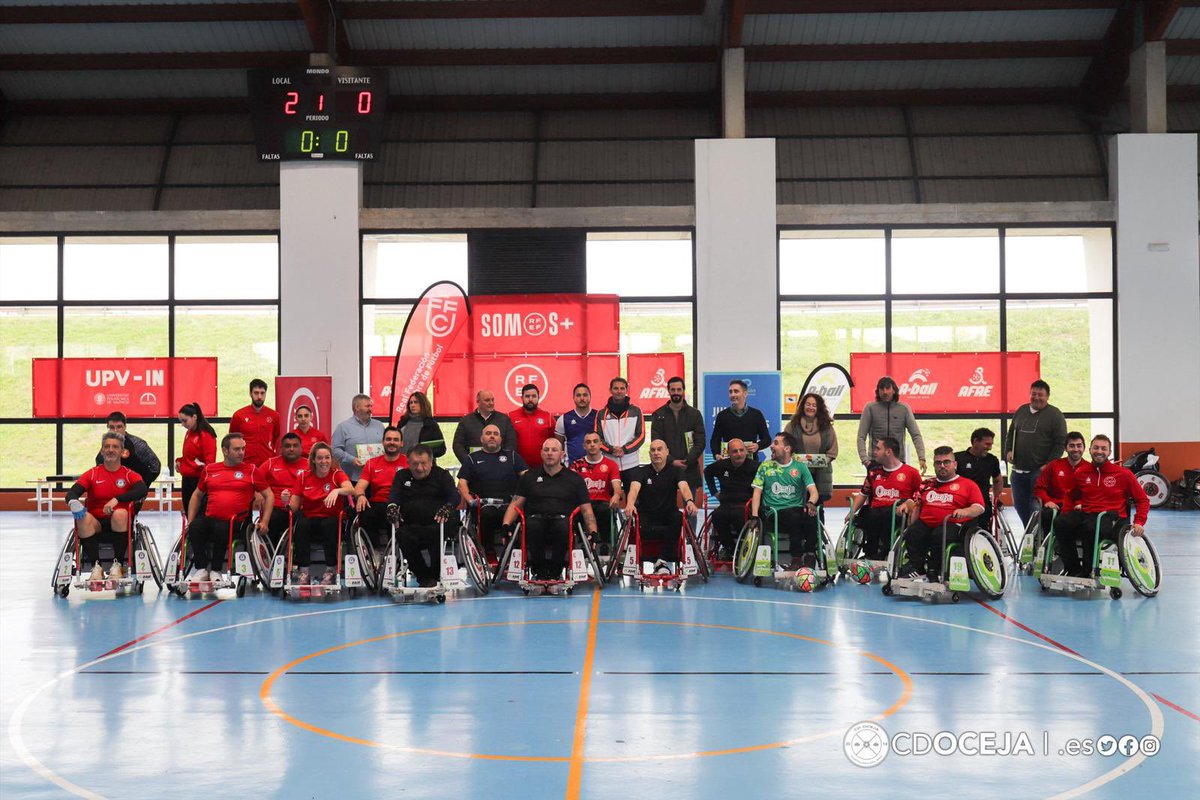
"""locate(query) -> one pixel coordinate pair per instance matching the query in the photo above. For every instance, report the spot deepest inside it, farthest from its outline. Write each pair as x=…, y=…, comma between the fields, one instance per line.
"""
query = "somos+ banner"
x=137, y=387
x=948, y=383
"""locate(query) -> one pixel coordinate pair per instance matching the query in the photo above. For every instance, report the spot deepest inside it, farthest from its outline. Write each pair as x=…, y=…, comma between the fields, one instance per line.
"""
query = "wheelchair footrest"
x=1070, y=583
x=911, y=587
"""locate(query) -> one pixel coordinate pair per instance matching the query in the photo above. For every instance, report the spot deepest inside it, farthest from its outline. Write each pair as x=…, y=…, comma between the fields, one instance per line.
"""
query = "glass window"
x=818, y=332
x=1046, y=260
x=28, y=269
x=244, y=339
x=1075, y=340
x=36, y=446
x=382, y=326
x=111, y=268
x=831, y=262
x=118, y=332
x=657, y=328
x=945, y=326
x=25, y=334
x=945, y=262
x=646, y=264
x=226, y=268
x=81, y=443
x=404, y=265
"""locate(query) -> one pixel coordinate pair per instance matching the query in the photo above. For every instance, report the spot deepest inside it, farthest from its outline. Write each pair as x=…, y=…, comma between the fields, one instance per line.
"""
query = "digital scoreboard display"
x=318, y=113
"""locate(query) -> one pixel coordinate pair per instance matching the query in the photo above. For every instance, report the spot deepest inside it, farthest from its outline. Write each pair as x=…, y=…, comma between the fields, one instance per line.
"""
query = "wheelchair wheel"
x=261, y=555
x=744, y=552
x=592, y=560
x=1004, y=537
x=985, y=564
x=1139, y=563
x=477, y=566
x=1157, y=488
x=617, y=558
x=368, y=558
x=502, y=564
x=68, y=546
x=146, y=539
x=702, y=568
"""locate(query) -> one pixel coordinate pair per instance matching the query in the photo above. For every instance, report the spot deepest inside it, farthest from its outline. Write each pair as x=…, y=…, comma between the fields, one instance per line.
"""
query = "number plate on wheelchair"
x=689, y=561
x=959, y=581
x=1110, y=569
x=353, y=573
x=65, y=567
x=515, y=567
x=630, y=567
x=141, y=564
x=452, y=577
x=762, y=561
x=241, y=563
x=277, y=568
x=579, y=571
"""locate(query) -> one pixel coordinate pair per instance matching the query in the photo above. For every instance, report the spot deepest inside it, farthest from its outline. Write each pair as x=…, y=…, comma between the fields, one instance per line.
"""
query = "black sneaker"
x=933, y=576
x=908, y=572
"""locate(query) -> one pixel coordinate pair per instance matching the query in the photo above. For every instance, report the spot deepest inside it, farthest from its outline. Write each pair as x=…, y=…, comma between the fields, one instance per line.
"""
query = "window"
x=28, y=269
x=1074, y=338
x=945, y=262
x=1044, y=260
x=115, y=268
x=402, y=266
x=651, y=264
x=656, y=328
x=115, y=332
x=816, y=332
x=26, y=333
x=945, y=326
x=831, y=262
x=226, y=268
x=244, y=340
x=34, y=444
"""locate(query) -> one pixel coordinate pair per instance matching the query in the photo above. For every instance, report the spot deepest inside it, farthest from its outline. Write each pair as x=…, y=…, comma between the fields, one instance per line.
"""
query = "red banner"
x=948, y=383
x=648, y=374
x=554, y=375
x=379, y=380
x=545, y=323
x=315, y=391
x=438, y=317
x=137, y=387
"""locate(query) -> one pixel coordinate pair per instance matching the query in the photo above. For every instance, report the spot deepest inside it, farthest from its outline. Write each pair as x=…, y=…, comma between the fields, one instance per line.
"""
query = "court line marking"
x=1178, y=708
x=575, y=773
x=156, y=631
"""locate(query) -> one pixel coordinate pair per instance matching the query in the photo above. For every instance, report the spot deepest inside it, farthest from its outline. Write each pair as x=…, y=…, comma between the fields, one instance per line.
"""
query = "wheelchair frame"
x=143, y=563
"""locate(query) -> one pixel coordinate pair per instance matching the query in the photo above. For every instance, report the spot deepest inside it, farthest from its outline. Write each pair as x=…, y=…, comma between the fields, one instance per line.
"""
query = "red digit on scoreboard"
x=364, y=102
x=293, y=99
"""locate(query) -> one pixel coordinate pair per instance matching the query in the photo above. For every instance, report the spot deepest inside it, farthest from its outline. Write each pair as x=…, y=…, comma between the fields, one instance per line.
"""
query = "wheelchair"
x=850, y=550
x=235, y=578
x=471, y=521
x=1129, y=556
x=347, y=571
x=1002, y=533
x=143, y=563
x=979, y=562
x=397, y=580
x=631, y=557
x=514, y=564
x=1031, y=541
x=756, y=558
x=710, y=547
x=368, y=553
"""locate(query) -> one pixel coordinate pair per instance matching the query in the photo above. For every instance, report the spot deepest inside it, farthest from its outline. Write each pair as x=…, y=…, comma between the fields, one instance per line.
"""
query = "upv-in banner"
x=314, y=391
x=948, y=383
x=137, y=387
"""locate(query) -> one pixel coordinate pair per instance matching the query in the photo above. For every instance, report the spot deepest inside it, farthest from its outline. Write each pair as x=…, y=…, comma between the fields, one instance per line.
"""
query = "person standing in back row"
x=258, y=424
x=682, y=427
x=885, y=418
x=740, y=421
x=1036, y=436
x=622, y=429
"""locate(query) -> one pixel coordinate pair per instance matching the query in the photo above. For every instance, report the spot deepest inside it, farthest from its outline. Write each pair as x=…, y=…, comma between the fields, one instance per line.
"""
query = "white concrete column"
x=733, y=93
x=1158, y=292
x=1148, y=88
x=318, y=290
x=737, y=277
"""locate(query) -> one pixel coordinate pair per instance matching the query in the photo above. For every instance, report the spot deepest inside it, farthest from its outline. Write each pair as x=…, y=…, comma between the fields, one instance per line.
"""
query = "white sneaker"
x=97, y=573
x=115, y=572
x=662, y=568
x=198, y=576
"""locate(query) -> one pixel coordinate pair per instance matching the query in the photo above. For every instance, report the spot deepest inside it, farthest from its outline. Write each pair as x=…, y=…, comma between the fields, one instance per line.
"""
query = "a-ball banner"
x=948, y=383
x=314, y=391
x=137, y=387
x=440, y=314
x=648, y=374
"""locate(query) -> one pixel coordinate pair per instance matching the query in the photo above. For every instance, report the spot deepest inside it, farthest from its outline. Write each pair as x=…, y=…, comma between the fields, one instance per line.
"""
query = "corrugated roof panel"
x=624, y=124
x=959, y=26
x=216, y=198
x=1008, y=155
x=890, y=75
x=214, y=128
x=53, y=129
x=824, y=121
x=1183, y=70
x=130, y=2
x=464, y=196
x=106, y=84
x=842, y=158
x=616, y=194
x=457, y=162
x=1183, y=116
x=844, y=192
x=553, y=80
x=484, y=34
x=608, y=161
x=220, y=163
x=156, y=37
x=447, y=126
x=1185, y=25
x=77, y=199
x=995, y=119
x=1000, y=190
x=79, y=166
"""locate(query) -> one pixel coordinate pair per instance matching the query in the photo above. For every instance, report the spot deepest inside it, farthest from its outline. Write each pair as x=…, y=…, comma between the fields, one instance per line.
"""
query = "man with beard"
x=577, y=423
x=258, y=424
x=373, y=486
x=681, y=426
x=470, y=428
x=603, y=480
x=1054, y=483
x=621, y=428
x=282, y=472
x=945, y=497
x=533, y=425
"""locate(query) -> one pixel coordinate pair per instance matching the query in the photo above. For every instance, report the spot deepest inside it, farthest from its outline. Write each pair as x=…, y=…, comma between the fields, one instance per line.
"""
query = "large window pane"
x=81, y=443
x=245, y=341
x=815, y=333
x=831, y=262
x=28, y=269
x=1047, y=260
x=655, y=328
x=226, y=268
x=945, y=262
x=650, y=264
x=945, y=326
x=382, y=326
x=25, y=334
x=1075, y=340
x=404, y=265
x=112, y=268
x=35, y=445
x=120, y=332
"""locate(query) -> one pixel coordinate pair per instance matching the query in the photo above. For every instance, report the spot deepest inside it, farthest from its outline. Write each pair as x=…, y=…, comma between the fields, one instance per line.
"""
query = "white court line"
x=1131, y=763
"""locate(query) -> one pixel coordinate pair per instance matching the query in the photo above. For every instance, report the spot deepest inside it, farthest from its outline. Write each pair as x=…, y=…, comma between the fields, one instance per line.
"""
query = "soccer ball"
x=861, y=572
x=806, y=579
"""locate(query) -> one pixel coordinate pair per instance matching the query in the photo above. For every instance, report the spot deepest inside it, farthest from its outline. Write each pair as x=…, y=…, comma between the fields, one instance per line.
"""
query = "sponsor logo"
x=1110, y=481
x=918, y=384
x=780, y=490
x=902, y=477
x=976, y=385
x=522, y=374
x=938, y=497
x=326, y=487
x=657, y=388
x=795, y=473
x=503, y=459
x=441, y=316
x=514, y=323
x=239, y=475
x=887, y=493
x=120, y=483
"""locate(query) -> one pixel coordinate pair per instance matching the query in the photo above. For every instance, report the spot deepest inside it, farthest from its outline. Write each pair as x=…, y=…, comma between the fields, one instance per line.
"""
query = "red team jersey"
x=102, y=486
x=1054, y=481
x=598, y=476
x=230, y=490
x=313, y=491
x=260, y=429
x=939, y=499
x=282, y=475
x=532, y=432
x=197, y=446
x=885, y=487
x=307, y=440
x=380, y=473
x=1109, y=487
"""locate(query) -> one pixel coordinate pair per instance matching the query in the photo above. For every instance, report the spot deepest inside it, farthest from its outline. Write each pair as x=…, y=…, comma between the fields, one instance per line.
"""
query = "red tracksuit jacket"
x=1109, y=488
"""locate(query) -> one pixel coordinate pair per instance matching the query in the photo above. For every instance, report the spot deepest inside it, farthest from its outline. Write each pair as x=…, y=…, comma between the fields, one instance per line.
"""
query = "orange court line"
x=575, y=775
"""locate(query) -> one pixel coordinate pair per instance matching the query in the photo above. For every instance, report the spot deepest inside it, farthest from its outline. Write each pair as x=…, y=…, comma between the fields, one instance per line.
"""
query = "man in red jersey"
x=603, y=479
x=305, y=430
x=375, y=484
x=1098, y=487
x=888, y=480
x=230, y=487
x=944, y=497
x=258, y=424
x=281, y=473
x=108, y=487
x=1055, y=481
x=533, y=425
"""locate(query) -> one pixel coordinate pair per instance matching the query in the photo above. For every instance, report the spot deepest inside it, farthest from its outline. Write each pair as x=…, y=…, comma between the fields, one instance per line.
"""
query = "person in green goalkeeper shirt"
x=786, y=487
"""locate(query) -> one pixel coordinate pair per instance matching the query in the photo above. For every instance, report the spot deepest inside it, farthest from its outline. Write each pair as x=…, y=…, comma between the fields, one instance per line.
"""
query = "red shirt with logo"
x=197, y=446
x=1054, y=481
x=102, y=486
x=380, y=473
x=885, y=486
x=1109, y=487
x=312, y=492
x=939, y=499
x=598, y=476
x=230, y=490
x=260, y=427
x=307, y=440
x=532, y=432
x=282, y=475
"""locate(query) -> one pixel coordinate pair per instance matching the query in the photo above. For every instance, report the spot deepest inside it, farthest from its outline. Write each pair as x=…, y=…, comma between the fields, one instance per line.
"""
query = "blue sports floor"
x=720, y=691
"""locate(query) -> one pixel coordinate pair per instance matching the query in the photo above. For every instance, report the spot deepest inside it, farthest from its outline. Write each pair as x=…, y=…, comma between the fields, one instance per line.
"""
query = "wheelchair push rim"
x=1139, y=562
x=985, y=564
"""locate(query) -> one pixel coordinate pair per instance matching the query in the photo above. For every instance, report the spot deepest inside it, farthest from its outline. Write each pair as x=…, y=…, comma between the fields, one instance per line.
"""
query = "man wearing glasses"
x=947, y=496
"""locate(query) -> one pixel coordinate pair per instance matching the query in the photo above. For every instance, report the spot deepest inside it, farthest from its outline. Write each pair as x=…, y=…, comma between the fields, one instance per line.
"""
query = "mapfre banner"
x=137, y=387
x=948, y=383
x=314, y=391
x=648, y=374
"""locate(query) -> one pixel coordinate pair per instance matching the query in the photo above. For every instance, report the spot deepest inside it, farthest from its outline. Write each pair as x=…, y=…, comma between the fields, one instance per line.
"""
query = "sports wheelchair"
x=756, y=556
x=234, y=578
x=144, y=566
x=979, y=561
x=1124, y=556
x=631, y=557
x=583, y=566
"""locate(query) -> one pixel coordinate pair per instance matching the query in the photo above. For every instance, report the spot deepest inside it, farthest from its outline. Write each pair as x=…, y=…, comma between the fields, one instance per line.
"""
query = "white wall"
x=318, y=290
x=1158, y=286
x=737, y=277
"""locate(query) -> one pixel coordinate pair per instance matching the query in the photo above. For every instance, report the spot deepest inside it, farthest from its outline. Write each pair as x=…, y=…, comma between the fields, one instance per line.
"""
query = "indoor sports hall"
x=580, y=399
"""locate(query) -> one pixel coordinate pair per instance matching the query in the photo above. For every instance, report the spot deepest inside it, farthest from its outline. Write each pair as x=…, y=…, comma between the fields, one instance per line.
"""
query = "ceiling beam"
x=1131, y=27
x=519, y=9
x=322, y=19
x=918, y=6
x=913, y=97
x=945, y=51
x=181, y=12
x=735, y=22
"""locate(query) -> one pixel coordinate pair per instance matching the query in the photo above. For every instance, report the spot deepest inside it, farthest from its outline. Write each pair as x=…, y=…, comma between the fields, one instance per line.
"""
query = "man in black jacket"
x=136, y=454
x=740, y=421
x=682, y=427
x=425, y=497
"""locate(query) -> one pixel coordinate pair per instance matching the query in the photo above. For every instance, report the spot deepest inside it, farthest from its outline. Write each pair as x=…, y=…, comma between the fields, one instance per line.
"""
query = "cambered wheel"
x=368, y=563
x=477, y=568
x=151, y=547
x=985, y=564
x=1157, y=487
x=702, y=567
x=744, y=553
x=1139, y=563
x=618, y=555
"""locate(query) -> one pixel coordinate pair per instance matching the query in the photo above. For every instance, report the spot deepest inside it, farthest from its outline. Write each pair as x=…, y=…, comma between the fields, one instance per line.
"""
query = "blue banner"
x=764, y=391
